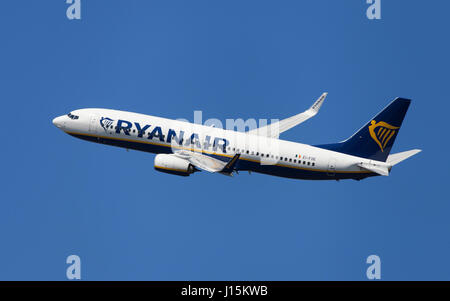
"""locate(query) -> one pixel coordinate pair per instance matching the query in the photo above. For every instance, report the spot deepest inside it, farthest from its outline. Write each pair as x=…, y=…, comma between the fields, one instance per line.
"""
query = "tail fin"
x=375, y=139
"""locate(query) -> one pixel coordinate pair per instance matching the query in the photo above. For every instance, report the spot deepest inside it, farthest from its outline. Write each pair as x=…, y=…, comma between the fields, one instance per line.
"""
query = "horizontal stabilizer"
x=399, y=157
x=379, y=169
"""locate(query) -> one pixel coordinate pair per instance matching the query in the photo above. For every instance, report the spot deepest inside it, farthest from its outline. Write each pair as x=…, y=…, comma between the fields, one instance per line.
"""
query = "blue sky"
x=230, y=59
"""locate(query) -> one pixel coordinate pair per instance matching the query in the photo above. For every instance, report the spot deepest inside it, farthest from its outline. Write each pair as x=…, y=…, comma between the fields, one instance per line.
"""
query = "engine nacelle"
x=174, y=165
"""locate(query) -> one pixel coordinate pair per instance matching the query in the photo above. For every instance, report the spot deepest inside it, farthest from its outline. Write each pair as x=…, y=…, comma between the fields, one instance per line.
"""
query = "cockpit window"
x=71, y=116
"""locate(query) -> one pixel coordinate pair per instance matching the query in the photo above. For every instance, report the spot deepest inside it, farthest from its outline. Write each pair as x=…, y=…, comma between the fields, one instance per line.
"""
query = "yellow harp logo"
x=381, y=132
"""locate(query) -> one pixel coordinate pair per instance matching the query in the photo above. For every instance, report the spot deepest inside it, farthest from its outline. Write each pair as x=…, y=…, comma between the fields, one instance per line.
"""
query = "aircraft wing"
x=273, y=130
x=208, y=163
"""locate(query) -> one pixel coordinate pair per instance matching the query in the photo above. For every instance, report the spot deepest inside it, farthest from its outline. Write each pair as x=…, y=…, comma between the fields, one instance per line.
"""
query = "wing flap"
x=201, y=161
x=208, y=163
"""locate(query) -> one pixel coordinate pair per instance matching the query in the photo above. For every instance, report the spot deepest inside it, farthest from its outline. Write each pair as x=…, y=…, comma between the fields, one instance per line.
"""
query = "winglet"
x=318, y=103
x=228, y=169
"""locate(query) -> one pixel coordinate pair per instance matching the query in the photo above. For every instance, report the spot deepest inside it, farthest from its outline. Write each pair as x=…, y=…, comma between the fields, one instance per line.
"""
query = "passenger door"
x=93, y=124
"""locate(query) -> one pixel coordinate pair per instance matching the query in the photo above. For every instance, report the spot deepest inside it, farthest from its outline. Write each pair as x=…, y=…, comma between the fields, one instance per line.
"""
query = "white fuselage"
x=257, y=153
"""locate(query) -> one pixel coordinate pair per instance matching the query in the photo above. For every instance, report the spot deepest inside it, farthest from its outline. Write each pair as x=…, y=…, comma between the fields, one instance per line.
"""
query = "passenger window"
x=290, y=160
x=304, y=162
x=313, y=164
x=295, y=161
x=309, y=163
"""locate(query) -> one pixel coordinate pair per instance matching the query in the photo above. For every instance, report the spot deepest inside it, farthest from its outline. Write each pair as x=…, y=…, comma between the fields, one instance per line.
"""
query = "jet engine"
x=172, y=164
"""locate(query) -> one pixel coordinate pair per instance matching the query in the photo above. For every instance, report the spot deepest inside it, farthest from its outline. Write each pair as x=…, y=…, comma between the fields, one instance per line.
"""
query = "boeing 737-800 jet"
x=183, y=148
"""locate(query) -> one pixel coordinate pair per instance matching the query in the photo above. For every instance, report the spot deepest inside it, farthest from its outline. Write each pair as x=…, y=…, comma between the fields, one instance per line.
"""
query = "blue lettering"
x=157, y=133
x=224, y=145
x=141, y=130
x=171, y=134
x=195, y=140
x=207, y=143
x=125, y=128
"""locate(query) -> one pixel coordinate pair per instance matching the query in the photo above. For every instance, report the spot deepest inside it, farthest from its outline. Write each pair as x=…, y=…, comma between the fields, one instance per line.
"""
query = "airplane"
x=183, y=148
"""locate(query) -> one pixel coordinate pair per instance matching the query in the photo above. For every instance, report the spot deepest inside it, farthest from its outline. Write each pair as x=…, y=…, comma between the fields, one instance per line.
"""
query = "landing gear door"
x=331, y=167
x=93, y=124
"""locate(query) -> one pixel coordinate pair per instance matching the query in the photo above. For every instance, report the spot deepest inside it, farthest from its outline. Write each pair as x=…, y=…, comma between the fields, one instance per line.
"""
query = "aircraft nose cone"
x=58, y=121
